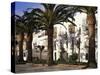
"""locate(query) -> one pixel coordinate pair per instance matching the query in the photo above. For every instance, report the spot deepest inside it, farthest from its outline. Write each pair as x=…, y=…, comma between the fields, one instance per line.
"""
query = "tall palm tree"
x=31, y=26
x=19, y=22
x=78, y=43
x=28, y=25
x=25, y=24
x=91, y=22
x=49, y=16
x=72, y=34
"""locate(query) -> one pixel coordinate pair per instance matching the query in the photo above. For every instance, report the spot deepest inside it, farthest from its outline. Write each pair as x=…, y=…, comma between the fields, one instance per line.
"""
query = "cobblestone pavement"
x=29, y=67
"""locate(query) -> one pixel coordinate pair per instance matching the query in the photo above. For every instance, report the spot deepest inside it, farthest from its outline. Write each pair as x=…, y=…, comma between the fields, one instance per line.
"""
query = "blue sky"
x=22, y=6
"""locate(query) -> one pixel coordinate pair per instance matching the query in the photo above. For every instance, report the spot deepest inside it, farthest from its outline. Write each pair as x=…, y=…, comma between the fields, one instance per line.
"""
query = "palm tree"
x=78, y=43
x=62, y=51
x=25, y=23
x=72, y=33
x=19, y=22
x=51, y=15
x=31, y=26
x=91, y=22
x=21, y=47
x=29, y=30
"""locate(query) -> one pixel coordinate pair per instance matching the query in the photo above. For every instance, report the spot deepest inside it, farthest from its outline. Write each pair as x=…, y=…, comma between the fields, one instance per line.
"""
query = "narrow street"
x=29, y=67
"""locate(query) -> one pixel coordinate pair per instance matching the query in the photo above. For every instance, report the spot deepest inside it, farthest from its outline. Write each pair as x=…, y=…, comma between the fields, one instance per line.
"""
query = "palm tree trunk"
x=79, y=50
x=21, y=48
x=91, y=27
x=40, y=56
x=79, y=44
x=72, y=45
x=29, y=46
x=50, y=45
x=62, y=51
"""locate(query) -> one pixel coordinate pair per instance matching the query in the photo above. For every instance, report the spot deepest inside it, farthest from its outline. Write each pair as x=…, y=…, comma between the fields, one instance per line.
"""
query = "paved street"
x=41, y=68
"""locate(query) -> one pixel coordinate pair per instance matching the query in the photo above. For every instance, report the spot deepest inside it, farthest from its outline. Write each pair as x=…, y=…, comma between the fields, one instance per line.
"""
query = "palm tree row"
x=49, y=16
x=26, y=24
x=91, y=22
x=46, y=19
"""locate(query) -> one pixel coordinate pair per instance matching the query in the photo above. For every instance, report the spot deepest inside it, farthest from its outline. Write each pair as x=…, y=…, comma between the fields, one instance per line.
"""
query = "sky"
x=20, y=7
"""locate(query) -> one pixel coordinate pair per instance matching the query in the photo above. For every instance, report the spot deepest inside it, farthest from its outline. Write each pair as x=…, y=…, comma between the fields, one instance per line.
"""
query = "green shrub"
x=73, y=58
x=36, y=60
